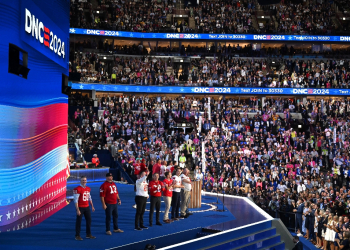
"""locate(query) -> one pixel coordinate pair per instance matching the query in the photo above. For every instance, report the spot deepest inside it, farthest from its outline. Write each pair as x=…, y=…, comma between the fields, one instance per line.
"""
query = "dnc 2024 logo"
x=43, y=34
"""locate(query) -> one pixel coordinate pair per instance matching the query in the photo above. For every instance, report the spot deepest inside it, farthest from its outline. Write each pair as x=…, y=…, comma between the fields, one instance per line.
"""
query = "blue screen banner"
x=43, y=34
x=238, y=37
x=208, y=90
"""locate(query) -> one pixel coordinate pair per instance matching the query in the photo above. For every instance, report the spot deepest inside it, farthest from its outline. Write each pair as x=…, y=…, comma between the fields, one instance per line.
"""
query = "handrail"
x=288, y=223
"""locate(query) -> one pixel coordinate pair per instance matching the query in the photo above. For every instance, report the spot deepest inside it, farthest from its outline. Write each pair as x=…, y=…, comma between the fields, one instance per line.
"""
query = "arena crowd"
x=222, y=71
x=226, y=17
x=252, y=149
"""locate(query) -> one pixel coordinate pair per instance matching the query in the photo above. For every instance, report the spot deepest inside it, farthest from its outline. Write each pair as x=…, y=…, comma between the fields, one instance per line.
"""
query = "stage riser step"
x=163, y=241
x=279, y=246
x=217, y=239
x=206, y=232
x=211, y=231
x=262, y=244
x=249, y=230
x=246, y=240
x=254, y=245
x=202, y=234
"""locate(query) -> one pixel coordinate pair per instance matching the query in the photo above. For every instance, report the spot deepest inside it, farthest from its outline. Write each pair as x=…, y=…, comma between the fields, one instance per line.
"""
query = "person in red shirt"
x=156, y=167
x=155, y=191
x=137, y=170
x=168, y=185
x=109, y=197
x=96, y=161
x=82, y=198
x=143, y=165
x=170, y=168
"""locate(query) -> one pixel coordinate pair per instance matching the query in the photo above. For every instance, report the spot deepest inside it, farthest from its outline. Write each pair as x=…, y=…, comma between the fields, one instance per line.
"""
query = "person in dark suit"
x=298, y=244
x=299, y=216
x=311, y=215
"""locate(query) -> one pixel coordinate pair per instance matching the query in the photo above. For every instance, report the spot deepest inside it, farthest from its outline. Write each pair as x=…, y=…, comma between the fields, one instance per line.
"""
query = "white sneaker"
x=299, y=235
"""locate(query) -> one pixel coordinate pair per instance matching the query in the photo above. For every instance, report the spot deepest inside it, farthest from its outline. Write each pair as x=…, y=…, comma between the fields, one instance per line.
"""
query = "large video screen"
x=33, y=111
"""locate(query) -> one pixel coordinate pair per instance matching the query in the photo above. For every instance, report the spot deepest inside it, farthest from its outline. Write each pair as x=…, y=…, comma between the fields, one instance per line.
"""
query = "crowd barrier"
x=288, y=219
x=92, y=175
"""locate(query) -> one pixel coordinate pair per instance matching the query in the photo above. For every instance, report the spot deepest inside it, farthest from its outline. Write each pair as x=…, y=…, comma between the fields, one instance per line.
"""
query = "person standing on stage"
x=110, y=197
x=82, y=198
x=155, y=191
x=141, y=200
x=185, y=195
x=167, y=195
x=176, y=195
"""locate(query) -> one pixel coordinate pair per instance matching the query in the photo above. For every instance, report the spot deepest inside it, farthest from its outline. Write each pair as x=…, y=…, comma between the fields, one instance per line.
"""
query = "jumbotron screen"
x=33, y=110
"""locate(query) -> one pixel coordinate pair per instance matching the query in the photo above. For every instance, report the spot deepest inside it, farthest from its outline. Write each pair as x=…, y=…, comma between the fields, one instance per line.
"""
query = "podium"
x=196, y=195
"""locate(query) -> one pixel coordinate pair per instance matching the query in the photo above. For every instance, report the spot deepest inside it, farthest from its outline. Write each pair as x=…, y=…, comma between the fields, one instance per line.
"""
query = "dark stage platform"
x=58, y=230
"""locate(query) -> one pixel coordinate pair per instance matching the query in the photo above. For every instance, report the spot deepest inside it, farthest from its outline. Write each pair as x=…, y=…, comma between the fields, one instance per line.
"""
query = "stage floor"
x=244, y=212
x=57, y=231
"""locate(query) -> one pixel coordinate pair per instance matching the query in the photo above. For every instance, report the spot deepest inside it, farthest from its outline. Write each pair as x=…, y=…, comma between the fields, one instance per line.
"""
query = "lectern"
x=196, y=197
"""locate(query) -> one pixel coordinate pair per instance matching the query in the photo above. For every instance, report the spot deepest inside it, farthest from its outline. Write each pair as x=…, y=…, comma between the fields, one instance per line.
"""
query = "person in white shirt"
x=141, y=200
x=176, y=154
x=176, y=195
x=301, y=187
x=163, y=169
x=281, y=187
x=170, y=168
x=185, y=195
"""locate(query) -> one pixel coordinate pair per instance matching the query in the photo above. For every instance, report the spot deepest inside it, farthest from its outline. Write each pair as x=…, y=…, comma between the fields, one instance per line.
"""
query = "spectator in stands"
x=304, y=18
x=96, y=161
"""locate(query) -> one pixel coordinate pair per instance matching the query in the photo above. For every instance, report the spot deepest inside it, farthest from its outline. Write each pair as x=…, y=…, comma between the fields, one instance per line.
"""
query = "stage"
x=58, y=230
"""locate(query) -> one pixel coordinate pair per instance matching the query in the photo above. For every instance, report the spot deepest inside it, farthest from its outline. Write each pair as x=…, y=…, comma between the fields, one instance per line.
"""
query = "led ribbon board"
x=238, y=37
x=208, y=90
